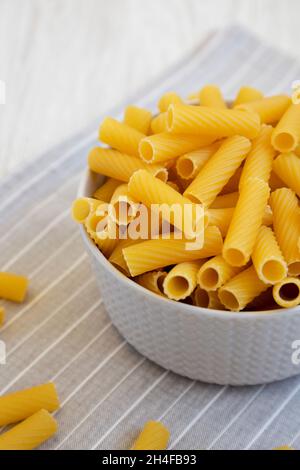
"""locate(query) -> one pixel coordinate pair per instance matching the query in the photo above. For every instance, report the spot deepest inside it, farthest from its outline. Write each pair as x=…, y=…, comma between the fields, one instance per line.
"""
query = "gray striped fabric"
x=62, y=333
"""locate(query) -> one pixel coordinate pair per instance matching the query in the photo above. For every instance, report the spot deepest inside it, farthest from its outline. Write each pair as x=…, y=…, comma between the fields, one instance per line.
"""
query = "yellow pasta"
x=225, y=200
x=168, y=98
x=247, y=94
x=181, y=281
x=105, y=192
x=29, y=434
x=173, y=185
x=200, y=120
x=284, y=448
x=163, y=147
x=173, y=207
x=269, y=109
x=158, y=253
x=275, y=182
x=286, y=223
x=117, y=258
x=206, y=299
x=286, y=135
x=119, y=136
x=221, y=218
x=218, y=170
x=189, y=164
x=258, y=163
x=287, y=168
x=103, y=232
x=154, y=436
x=287, y=292
x=138, y=118
x=159, y=123
x=19, y=405
x=239, y=291
x=233, y=184
x=13, y=286
x=214, y=273
x=153, y=281
x=211, y=96
x=124, y=207
x=2, y=316
x=267, y=257
x=121, y=166
x=245, y=223
x=83, y=207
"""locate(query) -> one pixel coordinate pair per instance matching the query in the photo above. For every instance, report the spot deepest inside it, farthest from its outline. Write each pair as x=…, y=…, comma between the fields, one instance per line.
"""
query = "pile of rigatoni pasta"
x=239, y=163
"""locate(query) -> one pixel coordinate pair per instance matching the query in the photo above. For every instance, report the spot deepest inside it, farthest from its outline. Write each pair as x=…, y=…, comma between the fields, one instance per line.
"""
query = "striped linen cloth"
x=63, y=334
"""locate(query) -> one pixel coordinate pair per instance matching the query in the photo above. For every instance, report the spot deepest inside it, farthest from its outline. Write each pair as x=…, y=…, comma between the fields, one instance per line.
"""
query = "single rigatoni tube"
x=200, y=120
x=138, y=118
x=215, y=272
x=13, y=286
x=206, y=299
x=246, y=220
x=267, y=258
x=29, y=434
x=286, y=135
x=173, y=207
x=159, y=123
x=2, y=316
x=181, y=281
x=287, y=292
x=153, y=281
x=124, y=207
x=247, y=94
x=286, y=224
x=154, y=436
x=119, y=136
x=287, y=168
x=168, y=98
x=82, y=208
x=259, y=161
x=163, y=147
x=105, y=192
x=239, y=291
x=225, y=200
x=211, y=96
x=150, y=255
x=121, y=166
x=19, y=405
x=218, y=170
x=189, y=164
x=269, y=109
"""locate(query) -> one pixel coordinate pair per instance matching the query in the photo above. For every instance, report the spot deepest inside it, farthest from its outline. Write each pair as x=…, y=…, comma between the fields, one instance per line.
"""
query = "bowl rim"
x=187, y=308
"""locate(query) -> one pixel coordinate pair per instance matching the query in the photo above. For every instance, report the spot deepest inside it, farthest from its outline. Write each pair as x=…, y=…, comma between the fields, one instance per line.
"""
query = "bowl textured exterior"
x=207, y=345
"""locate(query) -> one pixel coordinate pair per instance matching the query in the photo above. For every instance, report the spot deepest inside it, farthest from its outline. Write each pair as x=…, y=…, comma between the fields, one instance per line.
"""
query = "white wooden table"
x=66, y=61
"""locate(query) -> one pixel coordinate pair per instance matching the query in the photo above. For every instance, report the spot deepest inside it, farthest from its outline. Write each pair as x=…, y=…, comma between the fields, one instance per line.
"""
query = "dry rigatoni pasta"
x=247, y=94
x=138, y=118
x=159, y=123
x=286, y=223
x=124, y=207
x=29, y=434
x=287, y=168
x=218, y=170
x=215, y=272
x=211, y=96
x=117, y=258
x=189, y=164
x=225, y=200
x=287, y=292
x=168, y=98
x=267, y=258
x=154, y=436
x=206, y=299
x=181, y=281
x=157, y=253
x=234, y=182
x=105, y=192
x=163, y=147
x=286, y=135
x=120, y=166
x=218, y=123
x=239, y=291
x=102, y=231
x=153, y=281
x=83, y=207
x=259, y=161
x=270, y=109
x=245, y=222
x=13, y=286
x=120, y=136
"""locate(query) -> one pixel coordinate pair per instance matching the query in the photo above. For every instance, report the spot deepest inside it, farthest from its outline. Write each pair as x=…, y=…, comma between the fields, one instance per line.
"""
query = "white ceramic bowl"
x=207, y=345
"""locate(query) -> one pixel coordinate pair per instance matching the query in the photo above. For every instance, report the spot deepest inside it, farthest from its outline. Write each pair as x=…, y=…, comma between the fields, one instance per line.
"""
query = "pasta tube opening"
x=235, y=257
x=284, y=142
x=201, y=298
x=273, y=271
x=287, y=293
x=294, y=268
x=147, y=151
x=177, y=287
x=185, y=167
x=209, y=278
x=229, y=300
